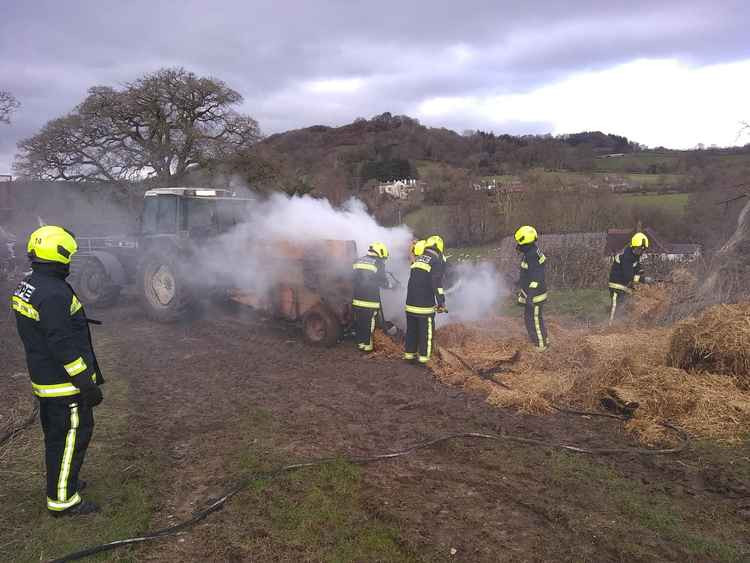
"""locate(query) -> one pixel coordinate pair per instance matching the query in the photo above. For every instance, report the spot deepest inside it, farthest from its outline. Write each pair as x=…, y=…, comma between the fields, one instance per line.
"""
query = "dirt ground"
x=206, y=401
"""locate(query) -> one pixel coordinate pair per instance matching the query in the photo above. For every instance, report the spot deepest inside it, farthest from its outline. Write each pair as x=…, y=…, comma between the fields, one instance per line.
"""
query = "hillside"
x=339, y=161
x=336, y=160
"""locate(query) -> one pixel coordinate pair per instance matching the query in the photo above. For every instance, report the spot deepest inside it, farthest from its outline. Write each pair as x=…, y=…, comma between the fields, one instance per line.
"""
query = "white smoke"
x=305, y=218
x=301, y=219
x=477, y=290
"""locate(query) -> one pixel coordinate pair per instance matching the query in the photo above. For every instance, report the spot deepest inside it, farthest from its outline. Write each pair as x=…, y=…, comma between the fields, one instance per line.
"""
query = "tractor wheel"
x=94, y=285
x=163, y=288
x=320, y=327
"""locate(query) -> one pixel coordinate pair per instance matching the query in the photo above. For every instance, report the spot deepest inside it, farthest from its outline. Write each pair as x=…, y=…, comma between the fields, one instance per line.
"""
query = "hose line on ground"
x=245, y=482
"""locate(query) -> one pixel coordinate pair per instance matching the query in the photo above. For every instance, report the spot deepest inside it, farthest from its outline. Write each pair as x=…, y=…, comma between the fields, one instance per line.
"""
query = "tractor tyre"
x=163, y=288
x=94, y=285
x=320, y=327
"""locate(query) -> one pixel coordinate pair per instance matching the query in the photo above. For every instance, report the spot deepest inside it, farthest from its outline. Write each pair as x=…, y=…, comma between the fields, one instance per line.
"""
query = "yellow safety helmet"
x=379, y=249
x=418, y=247
x=51, y=244
x=526, y=235
x=435, y=241
x=639, y=240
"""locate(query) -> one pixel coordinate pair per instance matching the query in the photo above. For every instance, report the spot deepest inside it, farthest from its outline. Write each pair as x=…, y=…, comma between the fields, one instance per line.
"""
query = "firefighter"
x=532, y=291
x=626, y=271
x=369, y=277
x=64, y=372
x=425, y=296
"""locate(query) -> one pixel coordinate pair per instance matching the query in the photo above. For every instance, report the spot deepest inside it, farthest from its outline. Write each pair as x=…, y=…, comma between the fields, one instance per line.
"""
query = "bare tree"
x=155, y=127
x=8, y=104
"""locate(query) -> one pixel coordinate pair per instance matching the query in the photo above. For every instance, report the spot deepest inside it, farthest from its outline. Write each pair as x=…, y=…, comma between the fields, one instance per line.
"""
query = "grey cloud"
x=52, y=51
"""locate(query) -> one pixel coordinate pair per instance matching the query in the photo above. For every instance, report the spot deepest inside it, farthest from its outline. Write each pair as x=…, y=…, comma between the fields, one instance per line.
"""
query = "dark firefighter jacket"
x=532, y=282
x=55, y=333
x=426, y=283
x=626, y=269
x=369, y=277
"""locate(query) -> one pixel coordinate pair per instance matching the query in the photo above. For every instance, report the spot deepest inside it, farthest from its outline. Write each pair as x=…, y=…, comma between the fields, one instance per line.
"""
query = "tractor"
x=311, y=281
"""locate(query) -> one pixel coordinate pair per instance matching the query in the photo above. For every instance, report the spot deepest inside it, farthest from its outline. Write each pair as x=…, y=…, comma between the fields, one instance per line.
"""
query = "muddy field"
x=191, y=408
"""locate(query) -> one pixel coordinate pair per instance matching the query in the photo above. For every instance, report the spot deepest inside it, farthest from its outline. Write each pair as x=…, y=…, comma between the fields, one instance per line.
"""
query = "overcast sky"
x=671, y=72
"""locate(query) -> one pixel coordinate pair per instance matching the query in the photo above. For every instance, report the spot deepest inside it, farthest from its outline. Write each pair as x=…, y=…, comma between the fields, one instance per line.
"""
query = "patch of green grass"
x=735, y=457
x=584, y=305
x=671, y=203
x=310, y=514
x=635, y=161
x=473, y=253
x=639, y=512
x=321, y=515
x=30, y=534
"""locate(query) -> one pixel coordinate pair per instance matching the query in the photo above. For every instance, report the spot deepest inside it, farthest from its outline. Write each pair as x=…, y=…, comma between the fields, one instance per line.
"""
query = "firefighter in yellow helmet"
x=65, y=375
x=532, y=285
x=417, y=249
x=369, y=278
x=425, y=296
x=626, y=271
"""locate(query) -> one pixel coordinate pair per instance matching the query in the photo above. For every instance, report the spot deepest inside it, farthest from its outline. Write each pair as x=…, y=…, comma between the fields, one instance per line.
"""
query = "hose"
x=246, y=481
x=468, y=366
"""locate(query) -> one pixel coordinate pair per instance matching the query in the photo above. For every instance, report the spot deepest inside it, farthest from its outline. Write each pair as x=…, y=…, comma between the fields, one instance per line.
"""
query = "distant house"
x=617, y=239
x=401, y=189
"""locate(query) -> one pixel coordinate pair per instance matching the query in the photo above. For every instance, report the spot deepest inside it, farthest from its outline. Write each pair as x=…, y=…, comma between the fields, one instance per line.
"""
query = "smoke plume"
x=475, y=293
x=304, y=219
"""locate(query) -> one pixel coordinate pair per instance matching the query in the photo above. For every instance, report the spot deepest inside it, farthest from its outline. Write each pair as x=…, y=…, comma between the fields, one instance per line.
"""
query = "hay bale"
x=648, y=304
x=718, y=342
x=582, y=365
x=710, y=405
x=456, y=335
x=385, y=347
x=683, y=278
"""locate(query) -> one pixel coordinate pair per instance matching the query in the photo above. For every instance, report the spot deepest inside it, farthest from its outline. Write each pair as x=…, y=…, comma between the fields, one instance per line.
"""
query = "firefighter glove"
x=91, y=395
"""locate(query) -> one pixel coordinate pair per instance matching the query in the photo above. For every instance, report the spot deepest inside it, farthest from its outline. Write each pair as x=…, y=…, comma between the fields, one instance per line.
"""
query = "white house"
x=400, y=189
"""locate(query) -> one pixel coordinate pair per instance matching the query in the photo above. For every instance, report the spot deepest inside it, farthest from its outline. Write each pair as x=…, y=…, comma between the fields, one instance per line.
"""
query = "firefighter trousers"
x=67, y=432
x=534, y=318
x=617, y=299
x=364, y=326
x=419, y=329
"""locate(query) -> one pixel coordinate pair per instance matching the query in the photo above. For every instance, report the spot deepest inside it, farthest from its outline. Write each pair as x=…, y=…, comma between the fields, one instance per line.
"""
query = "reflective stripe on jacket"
x=369, y=277
x=532, y=281
x=626, y=270
x=425, y=289
x=54, y=330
